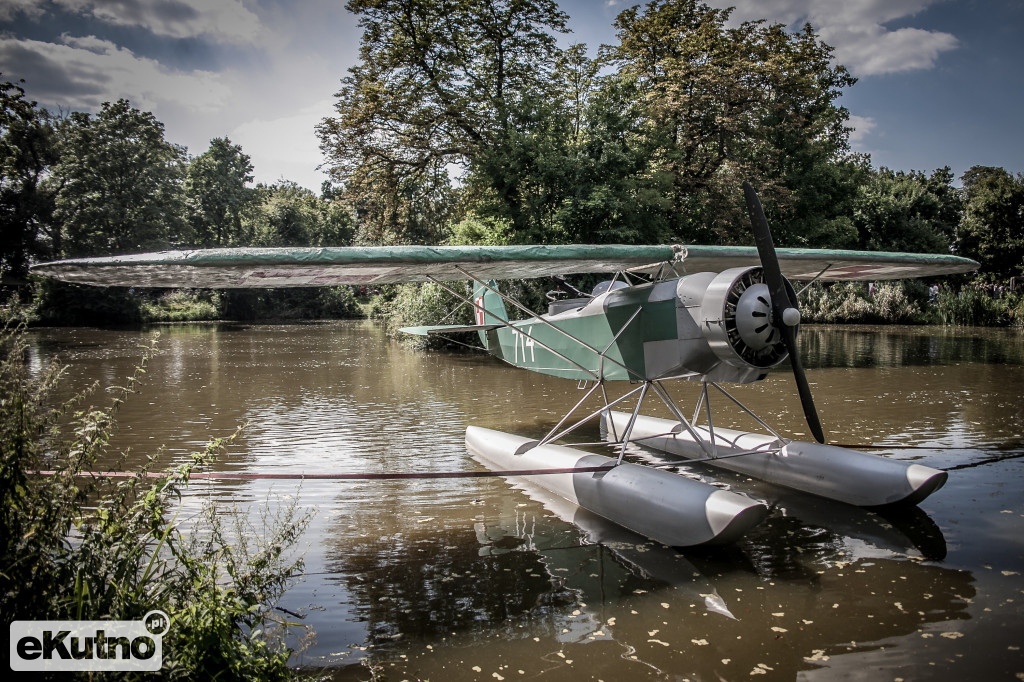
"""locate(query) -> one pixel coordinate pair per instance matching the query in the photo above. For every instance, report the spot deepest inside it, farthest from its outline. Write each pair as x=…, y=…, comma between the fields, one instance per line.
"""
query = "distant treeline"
x=470, y=124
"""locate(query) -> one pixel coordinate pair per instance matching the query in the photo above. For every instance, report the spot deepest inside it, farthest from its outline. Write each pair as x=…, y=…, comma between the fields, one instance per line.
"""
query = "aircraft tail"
x=489, y=307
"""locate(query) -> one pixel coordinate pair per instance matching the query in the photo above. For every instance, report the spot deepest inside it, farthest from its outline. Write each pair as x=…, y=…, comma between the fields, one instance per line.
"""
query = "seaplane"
x=713, y=315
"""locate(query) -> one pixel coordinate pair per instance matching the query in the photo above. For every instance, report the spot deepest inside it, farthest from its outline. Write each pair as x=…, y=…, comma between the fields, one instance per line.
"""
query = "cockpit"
x=560, y=305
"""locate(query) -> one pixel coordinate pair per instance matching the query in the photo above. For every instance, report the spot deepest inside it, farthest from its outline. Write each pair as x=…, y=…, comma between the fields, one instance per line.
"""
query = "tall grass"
x=850, y=302
x=978, y=308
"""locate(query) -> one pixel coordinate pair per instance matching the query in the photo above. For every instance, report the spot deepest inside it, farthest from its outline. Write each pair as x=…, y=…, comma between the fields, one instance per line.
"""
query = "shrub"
x=299, y=303
x=415, y=305
x=182, y=305
x=849, y=302
x=1015, y=309
x=840, y=302
x=63, y=304
x=892, y=305
x=971, y=307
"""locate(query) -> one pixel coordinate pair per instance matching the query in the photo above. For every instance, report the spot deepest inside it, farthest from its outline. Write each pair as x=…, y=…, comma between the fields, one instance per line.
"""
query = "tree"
x=441, y=84
x=611, y=193
x=992, y=231
x=216, y=193
x=394, y=208
x=720, y=105
x=26, y=153
x=901, y=211
x=286, y=214
x=119, y=183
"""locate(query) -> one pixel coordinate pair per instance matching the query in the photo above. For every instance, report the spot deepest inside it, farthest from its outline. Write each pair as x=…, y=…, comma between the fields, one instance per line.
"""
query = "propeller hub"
x=791, y=317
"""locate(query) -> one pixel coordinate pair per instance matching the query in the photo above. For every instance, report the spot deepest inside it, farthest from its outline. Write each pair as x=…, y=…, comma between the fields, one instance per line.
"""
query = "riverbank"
x=910, y=302
x=49, y=303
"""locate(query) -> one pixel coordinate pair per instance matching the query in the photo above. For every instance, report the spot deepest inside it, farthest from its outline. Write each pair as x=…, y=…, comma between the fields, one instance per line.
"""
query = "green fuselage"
x=603, y=338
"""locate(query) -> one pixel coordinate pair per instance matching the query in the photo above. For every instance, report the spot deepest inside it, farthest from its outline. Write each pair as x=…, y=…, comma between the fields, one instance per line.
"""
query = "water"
x=480, y=579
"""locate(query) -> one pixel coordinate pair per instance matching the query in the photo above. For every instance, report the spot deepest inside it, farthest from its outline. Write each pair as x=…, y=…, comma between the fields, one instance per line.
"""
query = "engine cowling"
x=737, y=320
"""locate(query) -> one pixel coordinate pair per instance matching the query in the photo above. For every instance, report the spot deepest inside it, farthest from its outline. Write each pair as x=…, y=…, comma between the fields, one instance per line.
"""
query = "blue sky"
x=940, y=81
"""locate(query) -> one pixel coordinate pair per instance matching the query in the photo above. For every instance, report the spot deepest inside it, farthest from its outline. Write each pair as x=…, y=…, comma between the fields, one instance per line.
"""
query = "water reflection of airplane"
x=841, y=594
x=731, y=316
x=638, y=555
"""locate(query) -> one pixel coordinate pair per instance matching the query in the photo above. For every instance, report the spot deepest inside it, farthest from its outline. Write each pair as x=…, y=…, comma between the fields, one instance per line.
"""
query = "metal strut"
x=632, y=421
x=552, y=436
x=745, y=409
x=601, y=356
x=674, y=409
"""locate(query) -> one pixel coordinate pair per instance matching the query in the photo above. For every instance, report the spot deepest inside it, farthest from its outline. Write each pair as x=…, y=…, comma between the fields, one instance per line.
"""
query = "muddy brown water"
x=483, y=579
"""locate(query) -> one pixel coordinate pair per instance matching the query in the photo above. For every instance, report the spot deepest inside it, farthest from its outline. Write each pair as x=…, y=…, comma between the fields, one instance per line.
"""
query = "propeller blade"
x=785, y=313
x=802, y=387
x=766, y=251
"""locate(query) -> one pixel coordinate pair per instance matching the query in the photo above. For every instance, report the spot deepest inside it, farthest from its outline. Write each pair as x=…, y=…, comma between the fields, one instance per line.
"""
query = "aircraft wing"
x=357, y=265
x=243, y=268
x=832, y=264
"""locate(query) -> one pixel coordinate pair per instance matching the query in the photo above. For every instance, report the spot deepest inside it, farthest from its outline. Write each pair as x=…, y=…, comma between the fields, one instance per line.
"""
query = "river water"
x=481, y=579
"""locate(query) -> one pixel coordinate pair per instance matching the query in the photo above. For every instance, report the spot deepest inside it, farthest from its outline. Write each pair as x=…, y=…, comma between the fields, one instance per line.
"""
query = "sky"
x=939, y=81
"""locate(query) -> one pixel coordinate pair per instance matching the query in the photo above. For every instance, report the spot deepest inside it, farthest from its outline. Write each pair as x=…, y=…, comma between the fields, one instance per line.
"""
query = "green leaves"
x=722, y=104
x=26, y=150
x=216, y=194
x=119, y=183
x=991, y=229
x=441, y=85
x=649, y=142
x=898, y=211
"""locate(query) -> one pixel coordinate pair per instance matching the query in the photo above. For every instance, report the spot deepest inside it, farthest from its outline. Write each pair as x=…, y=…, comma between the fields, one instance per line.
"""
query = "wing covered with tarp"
x=244, y=268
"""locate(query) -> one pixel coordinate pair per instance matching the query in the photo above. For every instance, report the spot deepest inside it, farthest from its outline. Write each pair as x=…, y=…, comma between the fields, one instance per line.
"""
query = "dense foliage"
x=468, y=122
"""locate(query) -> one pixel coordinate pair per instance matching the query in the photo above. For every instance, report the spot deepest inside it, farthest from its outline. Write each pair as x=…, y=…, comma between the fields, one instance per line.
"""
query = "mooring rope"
x=341, y=477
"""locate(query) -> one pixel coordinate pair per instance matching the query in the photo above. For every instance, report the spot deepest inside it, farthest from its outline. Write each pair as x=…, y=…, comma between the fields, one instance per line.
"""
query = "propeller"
x=785, y=314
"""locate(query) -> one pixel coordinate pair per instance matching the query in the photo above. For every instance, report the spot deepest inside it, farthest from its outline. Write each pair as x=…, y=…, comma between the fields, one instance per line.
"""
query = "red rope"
x=346, y=477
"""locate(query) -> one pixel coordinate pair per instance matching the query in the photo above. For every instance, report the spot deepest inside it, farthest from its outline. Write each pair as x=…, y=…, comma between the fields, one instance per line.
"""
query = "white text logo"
x=89, y=644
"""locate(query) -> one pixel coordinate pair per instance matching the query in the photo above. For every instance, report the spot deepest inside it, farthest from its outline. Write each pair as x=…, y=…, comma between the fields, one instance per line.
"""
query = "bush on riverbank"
x=975, y=307
x=426, y=304
x=182, y=305
x=415, y=305
x=78, y=547
x=906, y=302
x=850, y=302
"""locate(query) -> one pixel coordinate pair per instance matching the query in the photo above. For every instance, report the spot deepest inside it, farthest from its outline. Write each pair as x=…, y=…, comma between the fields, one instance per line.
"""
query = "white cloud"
x=857, y=31
x=862, y=127
x=82, y=72
x=222, y=20
x=286, y=147
x=876, y=51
